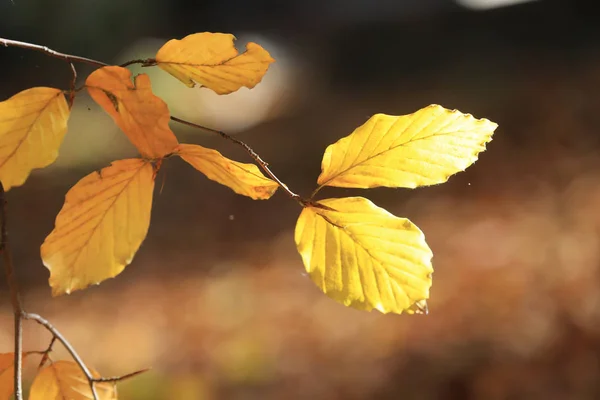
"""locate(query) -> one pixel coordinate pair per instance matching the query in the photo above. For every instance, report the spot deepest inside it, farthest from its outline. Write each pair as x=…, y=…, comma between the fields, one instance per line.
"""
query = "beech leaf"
x=362, y=256
x=212, y=60
x=424, y=148
x=64, y=380
x=244, y=179
x=141, y=115
x=33, y=124
x=102, y=224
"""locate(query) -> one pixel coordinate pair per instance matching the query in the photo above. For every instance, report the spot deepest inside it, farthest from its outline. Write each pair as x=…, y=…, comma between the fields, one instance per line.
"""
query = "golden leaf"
x=424, y=148
x=64, y=380
x=101, y=226
x=212, y=60
x=244, y=179
x=33, y=124
x=143, y=116
x=364, y=257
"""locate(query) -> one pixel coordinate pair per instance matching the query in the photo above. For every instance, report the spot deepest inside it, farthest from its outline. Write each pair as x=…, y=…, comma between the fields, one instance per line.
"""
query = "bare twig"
x=46, y=353
x=53, y=53
x=13, y=285
x=264, y=165
x=86, y=371
x=116, y=379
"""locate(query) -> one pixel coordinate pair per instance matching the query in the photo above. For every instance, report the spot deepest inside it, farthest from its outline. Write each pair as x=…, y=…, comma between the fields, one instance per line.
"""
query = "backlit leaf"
x=143, y=116
x=364, y=257
x=102, y=224
x=33, y=124
x=212, y=60
x=244, y=179
x=424, y=148
x=64, y=380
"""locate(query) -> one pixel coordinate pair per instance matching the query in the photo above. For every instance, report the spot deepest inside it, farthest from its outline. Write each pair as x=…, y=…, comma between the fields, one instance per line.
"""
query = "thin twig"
x=53, y=53
x=116, y=379
x=256, y=157
x=13, y=285
x=86, y=371
x=46, y=353
x=72, y=86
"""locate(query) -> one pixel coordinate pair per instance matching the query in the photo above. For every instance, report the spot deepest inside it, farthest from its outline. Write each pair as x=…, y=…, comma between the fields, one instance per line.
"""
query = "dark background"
x=216, y=300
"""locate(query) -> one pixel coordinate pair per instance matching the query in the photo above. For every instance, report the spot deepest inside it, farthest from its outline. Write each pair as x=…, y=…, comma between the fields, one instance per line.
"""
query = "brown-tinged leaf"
x=101, y=226
x=244, y=179
x=64, y=380
x=143, y=116
x=33, y=124
x=212, y=60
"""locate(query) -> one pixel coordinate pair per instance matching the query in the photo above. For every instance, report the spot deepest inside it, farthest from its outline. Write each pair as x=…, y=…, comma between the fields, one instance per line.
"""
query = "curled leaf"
x=424, y=148
x=64, y=380
x=244, y=179
x=33, y=124
x=101, y=226
x=212, y=60
x=364, y=257
x=141, y=115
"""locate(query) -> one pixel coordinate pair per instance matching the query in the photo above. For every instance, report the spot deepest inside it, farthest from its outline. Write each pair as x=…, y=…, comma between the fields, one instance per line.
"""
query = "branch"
x=56, y=334
x=52, y=53
x=264, y=165
x=13, y=286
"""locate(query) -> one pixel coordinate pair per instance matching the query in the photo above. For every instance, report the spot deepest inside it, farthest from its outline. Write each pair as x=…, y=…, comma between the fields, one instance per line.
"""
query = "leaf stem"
x=264, y=165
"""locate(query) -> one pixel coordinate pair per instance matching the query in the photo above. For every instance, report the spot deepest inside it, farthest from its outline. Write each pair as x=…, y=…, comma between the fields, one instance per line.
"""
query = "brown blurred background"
x=217, y=301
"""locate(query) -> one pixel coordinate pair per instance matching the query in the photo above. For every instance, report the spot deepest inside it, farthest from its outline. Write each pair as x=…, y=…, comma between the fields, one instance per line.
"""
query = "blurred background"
x=217, y=301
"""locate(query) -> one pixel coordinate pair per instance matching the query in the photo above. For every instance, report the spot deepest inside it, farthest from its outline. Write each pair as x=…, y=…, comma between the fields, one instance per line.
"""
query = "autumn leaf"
x=364, y=257
x=64, y=380
x=143, y=116
x=33, y=124
x=424, y=148
x=7, y=387
x=244, y=179
x=7, y=371
x=102, y=224
x=212, y=60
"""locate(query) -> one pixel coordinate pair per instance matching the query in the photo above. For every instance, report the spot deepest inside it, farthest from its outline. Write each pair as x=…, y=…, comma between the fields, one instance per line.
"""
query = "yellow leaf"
x=424, y=148
x=33, y=124
x=212, y=60
x=244, y=179
x=102, y=224
x=64, y=380
x=364, y=257
x=143, y=116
